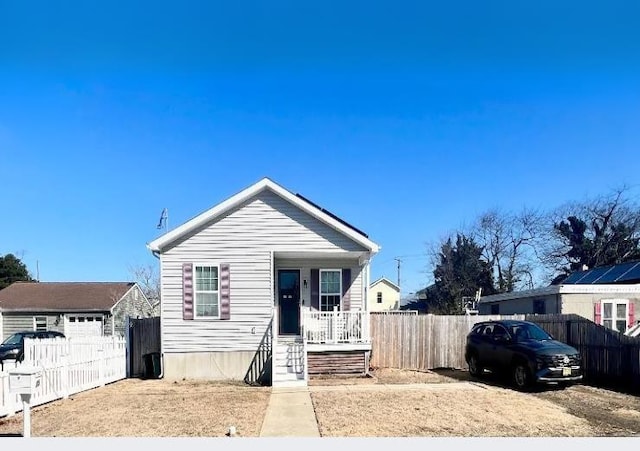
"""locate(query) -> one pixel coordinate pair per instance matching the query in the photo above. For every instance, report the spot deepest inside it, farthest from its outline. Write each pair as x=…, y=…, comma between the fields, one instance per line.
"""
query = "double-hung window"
x=40, y=323
x=206, y=293
x=614, y=314
x=330, y=289
x=379, y=297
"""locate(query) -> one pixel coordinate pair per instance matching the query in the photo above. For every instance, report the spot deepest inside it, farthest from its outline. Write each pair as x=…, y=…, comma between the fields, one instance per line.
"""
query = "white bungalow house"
x=265, y=286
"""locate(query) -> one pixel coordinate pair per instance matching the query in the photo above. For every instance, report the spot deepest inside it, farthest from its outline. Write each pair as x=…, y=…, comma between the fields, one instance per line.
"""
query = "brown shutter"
x=315, y=289
x=346, y=289
x=187, y=291
x=225, y=292
x=597, y=313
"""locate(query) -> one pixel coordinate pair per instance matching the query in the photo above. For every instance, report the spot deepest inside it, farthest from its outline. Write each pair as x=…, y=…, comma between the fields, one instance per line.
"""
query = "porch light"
x=305, y=283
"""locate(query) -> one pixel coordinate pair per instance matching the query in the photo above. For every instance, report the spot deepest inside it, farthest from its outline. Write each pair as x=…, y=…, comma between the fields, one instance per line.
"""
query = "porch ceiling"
x=310, y=255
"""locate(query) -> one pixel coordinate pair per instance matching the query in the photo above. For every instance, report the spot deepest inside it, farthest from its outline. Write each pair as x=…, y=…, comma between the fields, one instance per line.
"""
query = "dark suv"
x=523, y=350
x=12, y=347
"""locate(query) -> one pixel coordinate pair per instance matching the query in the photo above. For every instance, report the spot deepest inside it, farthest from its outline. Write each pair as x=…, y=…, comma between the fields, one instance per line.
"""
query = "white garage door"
x=83, y=326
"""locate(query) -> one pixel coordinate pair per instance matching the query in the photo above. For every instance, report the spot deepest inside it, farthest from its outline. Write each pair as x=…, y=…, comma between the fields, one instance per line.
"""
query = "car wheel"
x=522, y=376
x=475, y=369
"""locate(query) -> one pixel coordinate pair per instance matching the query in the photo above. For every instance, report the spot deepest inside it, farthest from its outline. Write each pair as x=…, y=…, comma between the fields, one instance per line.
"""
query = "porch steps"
x=288, y=363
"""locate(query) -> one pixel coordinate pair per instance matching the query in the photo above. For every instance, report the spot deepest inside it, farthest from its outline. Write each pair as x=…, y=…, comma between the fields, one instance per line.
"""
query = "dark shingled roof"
x=62, y=296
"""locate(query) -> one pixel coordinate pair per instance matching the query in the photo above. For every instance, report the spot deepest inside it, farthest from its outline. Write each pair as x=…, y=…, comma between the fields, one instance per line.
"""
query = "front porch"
x=329, y=343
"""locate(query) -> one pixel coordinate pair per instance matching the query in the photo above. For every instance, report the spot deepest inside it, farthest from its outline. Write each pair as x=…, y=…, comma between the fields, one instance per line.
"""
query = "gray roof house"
x=265, y=287
x=73, y=308
x=607, y=295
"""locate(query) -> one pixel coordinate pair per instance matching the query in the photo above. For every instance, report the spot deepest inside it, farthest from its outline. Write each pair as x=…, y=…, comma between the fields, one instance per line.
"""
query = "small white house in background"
x=384, y=295
x=73, y=308
x=264, y=287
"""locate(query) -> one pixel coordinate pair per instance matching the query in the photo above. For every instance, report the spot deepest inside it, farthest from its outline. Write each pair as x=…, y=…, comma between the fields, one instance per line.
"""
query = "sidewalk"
x=290, y=411
x=290, y=414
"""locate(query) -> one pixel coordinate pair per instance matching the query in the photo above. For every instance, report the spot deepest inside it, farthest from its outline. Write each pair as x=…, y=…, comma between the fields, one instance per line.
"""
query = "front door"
x=289, y=301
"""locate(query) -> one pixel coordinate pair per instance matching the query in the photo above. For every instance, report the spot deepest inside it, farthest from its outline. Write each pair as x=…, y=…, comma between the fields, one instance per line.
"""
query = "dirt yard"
x=454, y=406
x=151, y=408
x=483, y=409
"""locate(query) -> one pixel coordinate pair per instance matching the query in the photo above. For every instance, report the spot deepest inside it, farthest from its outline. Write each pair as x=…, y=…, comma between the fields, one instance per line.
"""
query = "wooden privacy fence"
x=143, y=340
x=422, y=342
x=608, y=357
x=69, y=366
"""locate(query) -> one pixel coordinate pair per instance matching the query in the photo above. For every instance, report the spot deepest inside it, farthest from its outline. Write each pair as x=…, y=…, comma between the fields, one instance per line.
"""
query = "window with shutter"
x=330, y=289
x=206, y=293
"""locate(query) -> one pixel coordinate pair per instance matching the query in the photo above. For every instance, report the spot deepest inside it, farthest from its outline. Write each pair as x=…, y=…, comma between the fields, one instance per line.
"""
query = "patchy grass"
x=470, y=412
x=150, y=408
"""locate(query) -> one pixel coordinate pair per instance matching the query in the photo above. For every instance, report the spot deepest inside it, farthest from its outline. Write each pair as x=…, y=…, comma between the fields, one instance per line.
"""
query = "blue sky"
x=407, y=119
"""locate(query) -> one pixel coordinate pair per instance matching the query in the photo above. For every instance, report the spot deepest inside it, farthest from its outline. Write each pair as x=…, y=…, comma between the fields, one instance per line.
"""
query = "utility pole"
x=398, y=260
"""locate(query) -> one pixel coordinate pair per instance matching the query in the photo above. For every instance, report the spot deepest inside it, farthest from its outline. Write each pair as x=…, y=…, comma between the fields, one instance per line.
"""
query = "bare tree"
x=509, y=243
x=148, y=279
x=595, y=232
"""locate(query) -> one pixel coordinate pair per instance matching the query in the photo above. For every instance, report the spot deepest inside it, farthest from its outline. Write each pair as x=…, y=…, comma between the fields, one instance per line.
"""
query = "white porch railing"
x=69, y=366
x=336, y=327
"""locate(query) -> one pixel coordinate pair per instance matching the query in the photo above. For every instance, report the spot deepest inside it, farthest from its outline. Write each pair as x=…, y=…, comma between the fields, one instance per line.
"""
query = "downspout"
x=156, y=254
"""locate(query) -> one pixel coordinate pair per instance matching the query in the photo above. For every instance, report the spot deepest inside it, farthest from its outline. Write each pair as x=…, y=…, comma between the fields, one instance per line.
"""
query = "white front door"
x=83, y=325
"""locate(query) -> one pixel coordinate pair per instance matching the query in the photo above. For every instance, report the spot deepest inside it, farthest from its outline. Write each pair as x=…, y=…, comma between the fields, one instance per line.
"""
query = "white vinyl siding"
x=244, y=238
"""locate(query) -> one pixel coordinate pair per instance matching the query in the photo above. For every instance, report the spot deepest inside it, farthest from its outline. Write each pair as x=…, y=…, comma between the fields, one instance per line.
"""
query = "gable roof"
x=299, y=201
x=388, y=282
x=63, y=296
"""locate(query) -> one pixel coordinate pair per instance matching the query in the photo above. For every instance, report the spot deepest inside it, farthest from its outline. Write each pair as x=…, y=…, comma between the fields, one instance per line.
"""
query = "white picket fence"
x=69, y=366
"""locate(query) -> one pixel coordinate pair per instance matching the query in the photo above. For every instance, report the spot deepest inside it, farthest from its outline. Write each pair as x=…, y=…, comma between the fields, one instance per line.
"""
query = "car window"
x=478, y=330
x=13, y=339
x=499, y=331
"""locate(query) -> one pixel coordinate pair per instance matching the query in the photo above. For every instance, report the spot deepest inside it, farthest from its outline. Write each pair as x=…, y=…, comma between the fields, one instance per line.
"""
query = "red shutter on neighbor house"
x=187, y=291
x=225, y=292
x=346, y=292
x=597, y=313
x=315, y=289
x=632, y=315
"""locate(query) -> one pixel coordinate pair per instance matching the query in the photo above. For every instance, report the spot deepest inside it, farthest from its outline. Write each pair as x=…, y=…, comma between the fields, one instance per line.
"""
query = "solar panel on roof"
x=632, y=274
x=593, y=275
x=615, y=272
x=574, y=277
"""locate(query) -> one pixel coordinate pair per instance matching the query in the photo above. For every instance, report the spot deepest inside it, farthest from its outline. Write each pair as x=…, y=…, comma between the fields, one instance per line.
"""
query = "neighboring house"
x=384, y=295
x=266, y=286
x=73, y=308
x=608, y=296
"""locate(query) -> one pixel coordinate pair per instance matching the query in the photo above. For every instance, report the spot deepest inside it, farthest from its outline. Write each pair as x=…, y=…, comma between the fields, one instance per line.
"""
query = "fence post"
x=335, y=324
x=101, y=366
x=127, y=336
x=64, y=373
x=8, y=398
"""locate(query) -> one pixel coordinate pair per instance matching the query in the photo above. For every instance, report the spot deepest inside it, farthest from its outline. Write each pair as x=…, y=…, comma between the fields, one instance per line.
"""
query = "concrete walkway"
x=290, y=414
x=290, y=411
